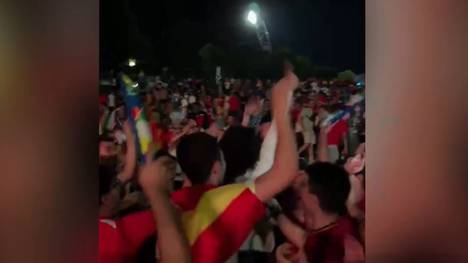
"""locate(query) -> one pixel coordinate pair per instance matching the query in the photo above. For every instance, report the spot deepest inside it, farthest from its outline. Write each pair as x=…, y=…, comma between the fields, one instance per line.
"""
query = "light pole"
x=255, y=19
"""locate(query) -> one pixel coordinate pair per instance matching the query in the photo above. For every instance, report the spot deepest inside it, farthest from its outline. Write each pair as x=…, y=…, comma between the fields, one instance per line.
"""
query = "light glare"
x=252, y=17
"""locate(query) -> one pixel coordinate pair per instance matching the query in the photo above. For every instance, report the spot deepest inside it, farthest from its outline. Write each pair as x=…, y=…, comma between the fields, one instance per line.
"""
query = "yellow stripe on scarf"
x=211, y=205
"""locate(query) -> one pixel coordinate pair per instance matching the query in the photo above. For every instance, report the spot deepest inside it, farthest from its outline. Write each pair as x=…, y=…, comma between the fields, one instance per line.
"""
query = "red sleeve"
x=345, y=127
x=136, y=228
x=154, y=130
x=341, y=128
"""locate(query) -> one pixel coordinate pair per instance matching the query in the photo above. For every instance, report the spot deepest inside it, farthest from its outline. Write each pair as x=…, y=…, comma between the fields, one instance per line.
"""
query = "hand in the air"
x=355, y=164
x=288, y=253
x=156, y=176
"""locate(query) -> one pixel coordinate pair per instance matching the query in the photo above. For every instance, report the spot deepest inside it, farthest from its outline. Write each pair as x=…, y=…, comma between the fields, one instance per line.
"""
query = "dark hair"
x=241, y=148
x=330, y=183
x=106, y=175
x=196, y=154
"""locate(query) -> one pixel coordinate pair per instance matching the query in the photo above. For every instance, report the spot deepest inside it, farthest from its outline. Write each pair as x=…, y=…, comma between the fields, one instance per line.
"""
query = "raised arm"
x=130, y=157
x=155, y=178
x=291, y=231
x=175, y=140
x=285, y=163
x=250, y=108
x=267, y=152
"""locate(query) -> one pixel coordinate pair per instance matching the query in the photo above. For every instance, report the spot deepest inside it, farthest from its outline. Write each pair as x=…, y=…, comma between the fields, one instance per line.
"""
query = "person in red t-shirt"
x=156, y=179
x=337, y=135
x=329, y=235
x=103, y=100
x=234, y=103
x=120, y=238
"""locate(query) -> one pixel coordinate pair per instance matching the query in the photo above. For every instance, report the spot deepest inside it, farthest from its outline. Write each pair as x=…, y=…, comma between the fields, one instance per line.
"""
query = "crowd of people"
x=250, y=171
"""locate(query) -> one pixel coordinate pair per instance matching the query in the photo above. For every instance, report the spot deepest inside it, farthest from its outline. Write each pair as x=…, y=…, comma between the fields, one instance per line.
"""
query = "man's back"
x=218, y=220
x=121, y=239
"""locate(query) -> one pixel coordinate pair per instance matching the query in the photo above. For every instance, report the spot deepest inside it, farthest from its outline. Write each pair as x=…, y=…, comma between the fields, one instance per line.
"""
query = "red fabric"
x=225, y=236
x=328, y=246
x=200, y=120
x=208, y=102
x=103, y=100
x=122, y=243
x=187, y=198
x=234, y=103
x=295, y=114
x=154, y=131
x=336, y=132
x=322, y=99
x=221, y=102
x=160, y=136
x=167, y=136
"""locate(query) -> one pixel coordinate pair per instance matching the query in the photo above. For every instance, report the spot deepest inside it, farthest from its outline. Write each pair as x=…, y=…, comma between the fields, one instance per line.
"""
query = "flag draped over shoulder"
x=219, y=220
x=350, y=106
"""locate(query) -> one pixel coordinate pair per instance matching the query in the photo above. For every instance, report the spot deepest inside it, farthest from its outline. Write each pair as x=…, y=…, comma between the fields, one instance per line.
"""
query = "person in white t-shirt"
x=111, y=100
x=306, y=118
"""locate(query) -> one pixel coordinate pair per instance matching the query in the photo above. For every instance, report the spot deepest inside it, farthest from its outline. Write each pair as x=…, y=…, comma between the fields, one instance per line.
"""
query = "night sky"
x=329, y=32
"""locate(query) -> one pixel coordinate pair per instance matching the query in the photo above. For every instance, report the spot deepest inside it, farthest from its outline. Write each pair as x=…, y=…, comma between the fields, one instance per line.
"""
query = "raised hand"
x=361, y=149
x=130, y=156
x=288, y=253
x=155, y=179
x=156, y=176
x=355, y=164
x=190, y=125
x=282, y=90
x=250, y=107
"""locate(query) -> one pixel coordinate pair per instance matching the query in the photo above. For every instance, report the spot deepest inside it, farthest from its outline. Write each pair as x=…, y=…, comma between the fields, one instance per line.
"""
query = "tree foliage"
x=346, y=75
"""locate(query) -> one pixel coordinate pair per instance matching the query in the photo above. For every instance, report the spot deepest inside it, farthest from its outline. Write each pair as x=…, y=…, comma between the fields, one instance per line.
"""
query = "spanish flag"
x=218, y=220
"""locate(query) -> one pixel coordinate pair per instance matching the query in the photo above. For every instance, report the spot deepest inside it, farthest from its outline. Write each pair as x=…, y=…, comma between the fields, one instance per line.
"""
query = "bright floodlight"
x=252, y=17
x=131, y=62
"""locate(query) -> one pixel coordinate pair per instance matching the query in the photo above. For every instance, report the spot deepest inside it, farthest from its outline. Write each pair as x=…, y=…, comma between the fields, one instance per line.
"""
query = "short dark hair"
x=330, y=183
x=196, y=154
x=241, y=149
